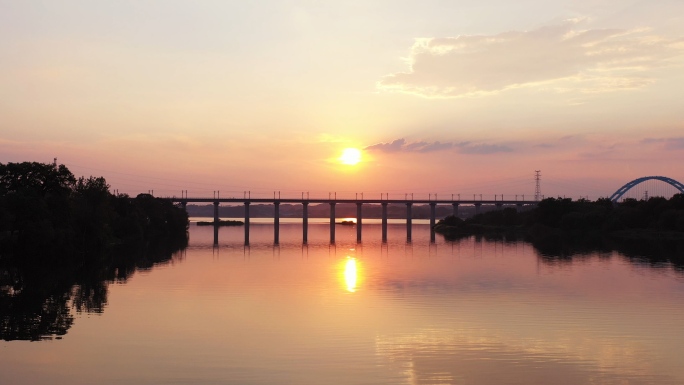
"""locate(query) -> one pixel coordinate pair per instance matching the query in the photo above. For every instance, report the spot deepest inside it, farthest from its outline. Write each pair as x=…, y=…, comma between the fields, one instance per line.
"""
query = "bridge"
x=629, y=185
x=498, y=202
x=305, y=202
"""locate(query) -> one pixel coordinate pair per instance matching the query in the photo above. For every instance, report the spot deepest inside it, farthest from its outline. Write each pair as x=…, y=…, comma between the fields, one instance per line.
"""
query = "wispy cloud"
x=482, y=148
x=401, y=145
x=394, y=146
x=676, y=143
x=559, y=57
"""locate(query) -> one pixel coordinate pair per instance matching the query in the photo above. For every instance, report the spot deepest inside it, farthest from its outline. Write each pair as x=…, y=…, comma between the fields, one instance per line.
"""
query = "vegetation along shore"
x=45, y=208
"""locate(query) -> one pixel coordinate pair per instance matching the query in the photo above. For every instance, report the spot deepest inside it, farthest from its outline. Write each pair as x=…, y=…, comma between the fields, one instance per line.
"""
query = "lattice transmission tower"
x=537, y=185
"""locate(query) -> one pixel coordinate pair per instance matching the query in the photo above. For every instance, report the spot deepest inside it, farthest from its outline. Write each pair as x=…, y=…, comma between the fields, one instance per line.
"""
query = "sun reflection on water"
x=350, y=274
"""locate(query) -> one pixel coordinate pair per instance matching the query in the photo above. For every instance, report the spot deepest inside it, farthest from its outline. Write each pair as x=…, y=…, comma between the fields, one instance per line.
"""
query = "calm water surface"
x=468, y=312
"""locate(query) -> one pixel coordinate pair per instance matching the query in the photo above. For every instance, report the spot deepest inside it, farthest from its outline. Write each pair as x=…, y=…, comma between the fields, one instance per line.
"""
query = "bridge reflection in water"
x=499, y=204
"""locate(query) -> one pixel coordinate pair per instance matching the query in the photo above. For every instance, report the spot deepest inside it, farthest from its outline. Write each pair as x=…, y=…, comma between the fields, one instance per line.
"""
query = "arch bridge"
x=622, y=190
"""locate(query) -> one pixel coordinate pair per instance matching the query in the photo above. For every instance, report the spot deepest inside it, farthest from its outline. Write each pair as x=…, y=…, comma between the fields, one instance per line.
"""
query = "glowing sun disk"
x=350, y=156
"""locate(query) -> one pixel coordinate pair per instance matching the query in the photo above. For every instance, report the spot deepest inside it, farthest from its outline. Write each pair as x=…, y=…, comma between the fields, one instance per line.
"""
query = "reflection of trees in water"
x=32, y=316
x=38, y=293
x=643, y=252
x=505, y=236
x=558, y=247
x=653, y=253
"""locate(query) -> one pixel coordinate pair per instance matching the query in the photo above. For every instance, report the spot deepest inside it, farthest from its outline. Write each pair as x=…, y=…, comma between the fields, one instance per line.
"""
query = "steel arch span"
x=622, y=190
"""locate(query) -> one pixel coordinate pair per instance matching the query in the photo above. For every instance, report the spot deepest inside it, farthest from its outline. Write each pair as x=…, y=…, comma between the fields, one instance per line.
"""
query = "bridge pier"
x=455, y=213
x=276, y=222
x=409, y=221
x=246, y=223
x=332, y=222
x=216, y=222
x=384, y=222
x=477, y=208
x=432, y=222
x=184, y=205
x=358, y=221
x=305, y=221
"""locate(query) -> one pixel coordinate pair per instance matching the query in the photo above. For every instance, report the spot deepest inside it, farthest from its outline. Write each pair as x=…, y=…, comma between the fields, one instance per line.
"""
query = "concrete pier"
x=332, y=222
x=432, y=221
x=305, y=222
x=359, y=220
x=276, y=222
x=477, y=208
x=216, y=222
x=246, y=223
x=384, y=222
x=409, y=221
x=455, y=213
x=432, y=214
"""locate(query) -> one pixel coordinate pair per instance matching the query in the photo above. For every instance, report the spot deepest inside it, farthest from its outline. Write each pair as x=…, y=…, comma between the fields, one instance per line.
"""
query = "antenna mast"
x=537, y=185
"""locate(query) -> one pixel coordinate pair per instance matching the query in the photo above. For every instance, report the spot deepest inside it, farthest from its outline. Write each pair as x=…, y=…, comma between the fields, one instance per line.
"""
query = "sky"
x=441, y=97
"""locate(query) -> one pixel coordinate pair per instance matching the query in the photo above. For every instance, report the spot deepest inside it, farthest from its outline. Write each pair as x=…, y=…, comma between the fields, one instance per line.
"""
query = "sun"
x=350, y=156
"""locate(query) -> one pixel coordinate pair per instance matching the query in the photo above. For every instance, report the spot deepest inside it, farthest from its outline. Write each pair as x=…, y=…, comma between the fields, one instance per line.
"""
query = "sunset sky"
x=444, y=97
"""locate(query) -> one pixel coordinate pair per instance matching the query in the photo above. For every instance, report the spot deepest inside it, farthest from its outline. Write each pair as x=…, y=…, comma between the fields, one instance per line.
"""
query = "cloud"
x=676, y=143
x=482, y=148
x=573, y=148
x=394, y=146
x=436, y=146
x=400, y=145
x=559, y=57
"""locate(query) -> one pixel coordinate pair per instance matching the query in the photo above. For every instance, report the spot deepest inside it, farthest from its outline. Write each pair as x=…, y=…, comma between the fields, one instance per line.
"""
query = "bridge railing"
x=346, y=196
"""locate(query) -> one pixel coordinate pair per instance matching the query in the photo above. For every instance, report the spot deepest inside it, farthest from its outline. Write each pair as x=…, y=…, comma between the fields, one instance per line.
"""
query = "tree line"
x=45, y=207
x=656, y=215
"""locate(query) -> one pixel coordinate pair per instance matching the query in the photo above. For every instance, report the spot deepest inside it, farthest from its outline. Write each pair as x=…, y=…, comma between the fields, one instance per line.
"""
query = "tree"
x=35, y=179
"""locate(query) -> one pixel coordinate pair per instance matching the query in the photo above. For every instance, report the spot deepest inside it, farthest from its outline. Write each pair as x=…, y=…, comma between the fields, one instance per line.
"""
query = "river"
x=471, y=311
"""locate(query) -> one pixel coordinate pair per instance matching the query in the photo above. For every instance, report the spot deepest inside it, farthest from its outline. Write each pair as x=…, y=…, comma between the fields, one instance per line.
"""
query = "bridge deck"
x=361, y=201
